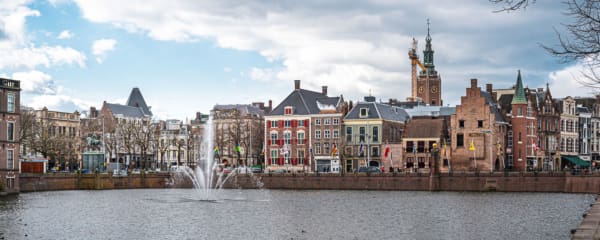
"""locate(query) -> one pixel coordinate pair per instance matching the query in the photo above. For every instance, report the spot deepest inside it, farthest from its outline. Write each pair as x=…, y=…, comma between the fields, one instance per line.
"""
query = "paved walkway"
x=590, y=226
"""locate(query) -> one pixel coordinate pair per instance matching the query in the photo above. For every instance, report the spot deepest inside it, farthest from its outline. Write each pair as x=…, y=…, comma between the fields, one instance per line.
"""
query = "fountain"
x=206, y=179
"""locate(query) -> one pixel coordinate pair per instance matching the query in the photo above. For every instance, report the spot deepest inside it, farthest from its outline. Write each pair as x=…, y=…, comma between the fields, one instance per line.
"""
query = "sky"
x=186, y=56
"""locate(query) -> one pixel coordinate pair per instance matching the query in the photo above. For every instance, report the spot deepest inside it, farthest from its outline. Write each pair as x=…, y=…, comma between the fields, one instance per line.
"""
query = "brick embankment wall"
x=509, y=182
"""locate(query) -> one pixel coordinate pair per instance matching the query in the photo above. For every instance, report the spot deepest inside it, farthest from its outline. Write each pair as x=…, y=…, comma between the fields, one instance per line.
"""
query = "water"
x=274, y=214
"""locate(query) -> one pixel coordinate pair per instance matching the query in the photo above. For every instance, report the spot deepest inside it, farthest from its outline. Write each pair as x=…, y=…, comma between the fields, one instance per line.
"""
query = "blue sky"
x=187, y=56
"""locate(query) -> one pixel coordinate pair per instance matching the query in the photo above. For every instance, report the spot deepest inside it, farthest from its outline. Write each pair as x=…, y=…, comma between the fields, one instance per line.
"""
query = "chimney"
x=473, y=82
x=324, y=90
x=296, y=84
x=488, y=87
x=270, y=105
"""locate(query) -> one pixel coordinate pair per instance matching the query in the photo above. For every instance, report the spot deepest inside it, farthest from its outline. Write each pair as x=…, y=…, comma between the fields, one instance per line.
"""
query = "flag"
x=387, y=151
x=216, y=150
x=534, y=146
x=238, y=148
x=334, y=150
x=361, y=149
x=472, y=146
x=444, y=148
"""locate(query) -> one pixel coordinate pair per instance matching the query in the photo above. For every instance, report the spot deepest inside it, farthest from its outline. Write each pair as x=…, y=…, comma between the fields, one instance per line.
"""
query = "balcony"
x=8, y=83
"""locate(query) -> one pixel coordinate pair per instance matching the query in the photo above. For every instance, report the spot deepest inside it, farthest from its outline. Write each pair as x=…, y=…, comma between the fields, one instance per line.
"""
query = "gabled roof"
x=125, y=111
x=582, y=110
x=305, y=102
x=244, y=109
x=378, y=111
x=489, y=99
x=137, y=100
x=505, y=102
x=424, y=128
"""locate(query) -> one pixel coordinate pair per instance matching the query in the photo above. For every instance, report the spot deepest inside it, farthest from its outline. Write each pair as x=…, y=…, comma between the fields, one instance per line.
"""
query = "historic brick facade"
x=477, y=122
x=9, y=127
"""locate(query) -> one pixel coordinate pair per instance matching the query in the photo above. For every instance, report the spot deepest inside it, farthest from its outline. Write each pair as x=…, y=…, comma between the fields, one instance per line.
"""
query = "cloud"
x=58, y=102
x=567, y=82
x=35, y=82
x=65, y=34
x=101, y=47
x=335, y=43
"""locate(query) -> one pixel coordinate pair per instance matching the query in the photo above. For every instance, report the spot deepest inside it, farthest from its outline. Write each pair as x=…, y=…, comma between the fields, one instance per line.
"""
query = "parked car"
x=370, y=169
x=256, y=170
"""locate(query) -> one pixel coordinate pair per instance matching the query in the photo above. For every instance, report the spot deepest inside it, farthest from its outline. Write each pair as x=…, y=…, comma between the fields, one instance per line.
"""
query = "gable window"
x=336, y=121
x=288, y=110
x=327, y=121
x=461, y=123
x=364, y=112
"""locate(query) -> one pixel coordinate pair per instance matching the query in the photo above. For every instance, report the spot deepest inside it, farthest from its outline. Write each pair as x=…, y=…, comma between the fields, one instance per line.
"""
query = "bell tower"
x=429, y=83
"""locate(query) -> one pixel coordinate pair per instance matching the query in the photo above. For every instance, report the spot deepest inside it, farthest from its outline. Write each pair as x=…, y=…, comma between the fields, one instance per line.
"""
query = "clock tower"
x=429, y=83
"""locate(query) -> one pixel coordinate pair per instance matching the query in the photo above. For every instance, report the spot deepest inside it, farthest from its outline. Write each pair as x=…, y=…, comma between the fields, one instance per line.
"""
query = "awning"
x=577, y=161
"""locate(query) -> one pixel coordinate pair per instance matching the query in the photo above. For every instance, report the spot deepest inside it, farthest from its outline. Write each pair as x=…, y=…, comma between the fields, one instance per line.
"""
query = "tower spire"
x=428, y=52
x=519, y=96
x=428, y=38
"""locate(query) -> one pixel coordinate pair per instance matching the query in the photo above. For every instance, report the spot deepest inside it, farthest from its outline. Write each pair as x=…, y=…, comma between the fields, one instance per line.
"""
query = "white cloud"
x=101, y=47
x=65, y=34
x=35, y=82
x=568, y=82
x=362, y=43
x=58, y=102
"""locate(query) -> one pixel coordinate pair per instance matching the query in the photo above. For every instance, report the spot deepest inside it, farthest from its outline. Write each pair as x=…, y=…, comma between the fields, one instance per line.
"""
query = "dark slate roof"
x=430, y=111
x=424, y=128
x=137, y=100
x=244, y=109
x=582, y=110
x=505, y=102
x=447, y=111
x=126, y=111
x=378, y=111
x=586, y=102
x=489, y=99
x=304, y=102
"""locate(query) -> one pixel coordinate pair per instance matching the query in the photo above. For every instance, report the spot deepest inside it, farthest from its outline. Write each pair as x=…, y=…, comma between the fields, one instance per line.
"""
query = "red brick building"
x=302, y=131
x=9, y=153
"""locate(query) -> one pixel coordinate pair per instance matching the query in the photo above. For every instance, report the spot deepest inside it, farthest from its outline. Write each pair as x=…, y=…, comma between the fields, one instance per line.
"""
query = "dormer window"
x=364, y=112
x=288, y=110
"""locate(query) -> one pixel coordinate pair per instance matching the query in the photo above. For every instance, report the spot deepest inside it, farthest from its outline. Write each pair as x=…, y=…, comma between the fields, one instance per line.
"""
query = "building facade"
x=9, y=153
x=302, y=132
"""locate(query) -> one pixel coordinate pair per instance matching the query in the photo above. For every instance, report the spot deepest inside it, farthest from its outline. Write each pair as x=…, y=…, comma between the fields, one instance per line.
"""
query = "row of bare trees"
x=233, y=129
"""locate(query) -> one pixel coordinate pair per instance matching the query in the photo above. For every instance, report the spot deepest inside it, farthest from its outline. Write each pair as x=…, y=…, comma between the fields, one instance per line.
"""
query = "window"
x=326, y=134
x=409, y=146
x=274, y=138
x=461, y=123
x=460, y=140
x=519, y=112
x=479, y=123
x=274, y=153
x=287, y=137
x=327, y=121
x=300, y=123
x=363, y=112
x=318, y=121
x=301, y=156
x=317, y=148
x=336, y=134
x=300, y=137
x=362, y=134
x=288, y=111
x=10, y=182
x=10, y=164
x=336, y=121
x=11, y=102
x=287, y=123
x=375, y=134
x=519, y=137
x=326, y=148
x=10, y=128
x=348, y=134
x=375, y=152
x=273, y=124
x=317, y=134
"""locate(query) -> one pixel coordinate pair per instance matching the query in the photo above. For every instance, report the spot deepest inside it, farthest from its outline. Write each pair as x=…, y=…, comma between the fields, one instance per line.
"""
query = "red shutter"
x=268, y=161
x=294, y=123
x=268, y=124
x=280, y=123
x=306, y=123
x=269, y=142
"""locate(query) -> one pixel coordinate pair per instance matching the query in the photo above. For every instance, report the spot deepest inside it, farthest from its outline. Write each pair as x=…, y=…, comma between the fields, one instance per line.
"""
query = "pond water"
x=275, y=214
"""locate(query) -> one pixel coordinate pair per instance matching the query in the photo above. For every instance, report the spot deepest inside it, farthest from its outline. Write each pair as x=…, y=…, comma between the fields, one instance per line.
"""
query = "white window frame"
x=10, y=159
x=326, y=134
x=336, y=121
x=317, y=134
x=10, y=137
x=317, y=121
x=10, y=102
x=327, y=121
x=274, y=156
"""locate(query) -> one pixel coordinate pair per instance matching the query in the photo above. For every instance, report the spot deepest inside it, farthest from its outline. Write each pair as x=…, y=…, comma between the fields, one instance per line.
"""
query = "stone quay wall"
x=502, y=182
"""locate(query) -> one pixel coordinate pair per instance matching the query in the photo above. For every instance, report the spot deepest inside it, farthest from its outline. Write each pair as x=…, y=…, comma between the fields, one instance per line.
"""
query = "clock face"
x=420, y=89
x=434, y=89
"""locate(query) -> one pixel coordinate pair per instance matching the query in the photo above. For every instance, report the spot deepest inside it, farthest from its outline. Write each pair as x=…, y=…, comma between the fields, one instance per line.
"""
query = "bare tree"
x=582, y=40
x=27, y=126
